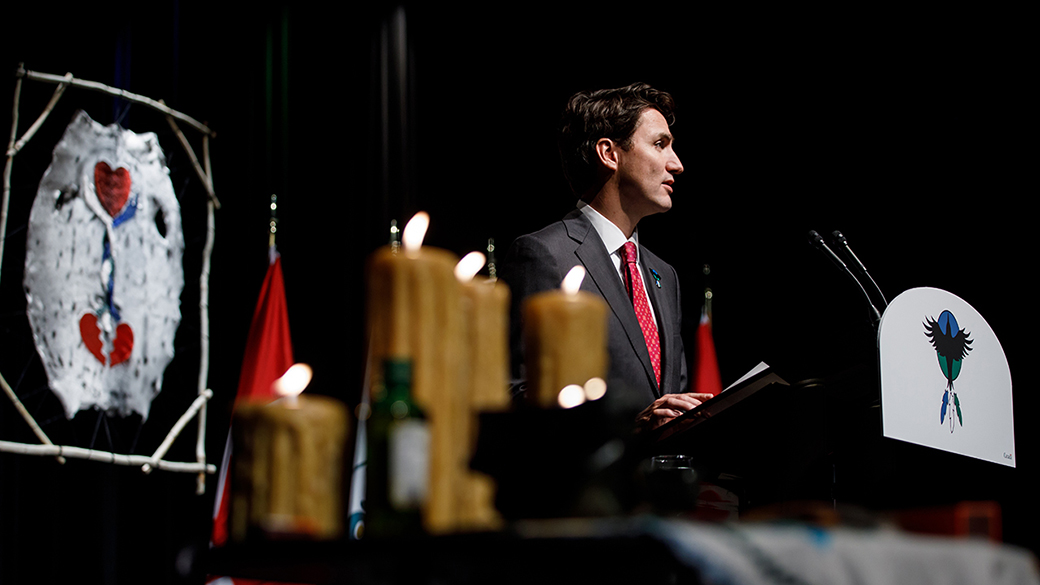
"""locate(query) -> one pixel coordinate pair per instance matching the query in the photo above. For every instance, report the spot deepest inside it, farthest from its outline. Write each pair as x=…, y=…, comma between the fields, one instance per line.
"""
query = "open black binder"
x=761, y=378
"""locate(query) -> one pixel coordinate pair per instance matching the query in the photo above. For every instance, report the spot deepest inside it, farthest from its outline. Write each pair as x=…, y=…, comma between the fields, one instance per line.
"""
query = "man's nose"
x=674, y=166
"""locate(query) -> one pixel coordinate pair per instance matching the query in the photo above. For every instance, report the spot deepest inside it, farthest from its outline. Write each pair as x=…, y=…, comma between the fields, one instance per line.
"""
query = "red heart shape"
x=113, y=187
x=122, y=344
x=91, y=335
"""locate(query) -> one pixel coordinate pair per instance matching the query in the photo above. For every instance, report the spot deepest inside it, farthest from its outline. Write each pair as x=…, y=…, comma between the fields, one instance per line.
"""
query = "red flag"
x=268, y=355
x=706, y=376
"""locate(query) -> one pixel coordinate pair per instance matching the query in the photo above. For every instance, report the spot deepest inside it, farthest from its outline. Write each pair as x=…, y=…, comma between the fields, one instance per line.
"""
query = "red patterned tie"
x=634, y=283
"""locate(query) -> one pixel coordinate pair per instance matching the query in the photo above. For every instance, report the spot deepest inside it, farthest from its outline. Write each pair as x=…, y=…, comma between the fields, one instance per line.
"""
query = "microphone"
x=843, y=244
x=817, y=241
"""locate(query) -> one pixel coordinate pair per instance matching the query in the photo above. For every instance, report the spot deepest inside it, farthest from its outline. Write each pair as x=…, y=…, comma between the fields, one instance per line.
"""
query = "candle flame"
x=415, y=231
x=572, y=395
x=469, y=266
x=294, y=380
x=572, y=282
x=595, y=388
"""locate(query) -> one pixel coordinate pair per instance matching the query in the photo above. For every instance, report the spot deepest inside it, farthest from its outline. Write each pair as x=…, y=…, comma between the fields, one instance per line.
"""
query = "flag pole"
x=273, y=225
x=364, y=409
x=268, y=354
x=706, y=377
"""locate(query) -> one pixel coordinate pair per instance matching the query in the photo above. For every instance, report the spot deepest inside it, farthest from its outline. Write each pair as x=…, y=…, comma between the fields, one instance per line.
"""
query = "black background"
x=910, y=132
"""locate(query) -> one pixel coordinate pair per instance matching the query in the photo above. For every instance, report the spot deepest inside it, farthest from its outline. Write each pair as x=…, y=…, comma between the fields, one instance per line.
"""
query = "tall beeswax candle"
x=414, y=314
x=485, y=309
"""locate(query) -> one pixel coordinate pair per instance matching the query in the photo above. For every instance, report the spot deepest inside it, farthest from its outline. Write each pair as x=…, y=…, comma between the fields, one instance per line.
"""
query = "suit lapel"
x=600, y=269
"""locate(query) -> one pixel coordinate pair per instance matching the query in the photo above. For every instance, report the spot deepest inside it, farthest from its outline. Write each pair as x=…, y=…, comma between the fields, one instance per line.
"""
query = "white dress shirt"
x=614, y=239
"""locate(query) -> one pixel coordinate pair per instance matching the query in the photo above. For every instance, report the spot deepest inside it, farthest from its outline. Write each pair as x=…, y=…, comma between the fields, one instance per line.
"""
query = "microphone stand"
x=817, y=241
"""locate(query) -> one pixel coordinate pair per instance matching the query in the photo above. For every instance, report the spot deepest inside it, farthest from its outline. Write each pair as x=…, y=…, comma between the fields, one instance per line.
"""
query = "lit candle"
x=288, y=470
x=414, y=314
x=485, y=306
x=565, y=333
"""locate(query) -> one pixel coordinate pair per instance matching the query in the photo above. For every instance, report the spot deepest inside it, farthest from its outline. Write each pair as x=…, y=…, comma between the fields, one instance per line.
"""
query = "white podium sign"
x=945, y=382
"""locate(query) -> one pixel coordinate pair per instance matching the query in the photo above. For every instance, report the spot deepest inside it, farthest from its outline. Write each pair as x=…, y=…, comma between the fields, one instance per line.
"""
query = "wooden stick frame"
x=205, y=174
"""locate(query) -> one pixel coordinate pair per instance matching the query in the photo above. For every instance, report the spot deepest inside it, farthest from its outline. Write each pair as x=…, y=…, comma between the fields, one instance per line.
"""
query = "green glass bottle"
x=399, y=454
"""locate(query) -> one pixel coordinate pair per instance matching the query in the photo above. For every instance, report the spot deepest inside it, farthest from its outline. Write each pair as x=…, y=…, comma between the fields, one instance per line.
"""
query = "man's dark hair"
x=604, y=113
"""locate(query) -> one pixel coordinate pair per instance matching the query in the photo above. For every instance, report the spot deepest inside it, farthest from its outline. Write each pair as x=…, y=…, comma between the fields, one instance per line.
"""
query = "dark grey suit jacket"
x=539, y=261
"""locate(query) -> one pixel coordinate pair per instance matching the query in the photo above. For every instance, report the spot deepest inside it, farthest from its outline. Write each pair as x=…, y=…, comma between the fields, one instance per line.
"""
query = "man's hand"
x=668, y=407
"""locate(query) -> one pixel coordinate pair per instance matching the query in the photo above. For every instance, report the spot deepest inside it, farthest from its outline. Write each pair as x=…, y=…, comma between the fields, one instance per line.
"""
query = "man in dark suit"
x=617, y=153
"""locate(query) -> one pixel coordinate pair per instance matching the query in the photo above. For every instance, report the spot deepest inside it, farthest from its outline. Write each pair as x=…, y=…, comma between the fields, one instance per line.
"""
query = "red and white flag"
x=268, y=355
x=706, y=378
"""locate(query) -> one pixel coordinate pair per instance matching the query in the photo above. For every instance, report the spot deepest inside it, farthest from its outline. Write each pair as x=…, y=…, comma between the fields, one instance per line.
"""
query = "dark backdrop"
x=907, y=131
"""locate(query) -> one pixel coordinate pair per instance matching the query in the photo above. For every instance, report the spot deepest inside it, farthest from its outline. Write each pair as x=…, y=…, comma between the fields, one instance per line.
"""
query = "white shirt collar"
x=613, y=239
x=612, y=236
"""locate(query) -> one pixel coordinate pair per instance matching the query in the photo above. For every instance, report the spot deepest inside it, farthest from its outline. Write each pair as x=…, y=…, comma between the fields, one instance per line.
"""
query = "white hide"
x=65, y=276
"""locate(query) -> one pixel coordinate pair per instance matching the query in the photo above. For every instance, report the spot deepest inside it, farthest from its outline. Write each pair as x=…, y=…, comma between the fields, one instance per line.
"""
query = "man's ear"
x=607, y=152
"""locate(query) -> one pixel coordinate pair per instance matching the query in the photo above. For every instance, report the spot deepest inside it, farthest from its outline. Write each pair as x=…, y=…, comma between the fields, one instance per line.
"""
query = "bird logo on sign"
x=952, y=345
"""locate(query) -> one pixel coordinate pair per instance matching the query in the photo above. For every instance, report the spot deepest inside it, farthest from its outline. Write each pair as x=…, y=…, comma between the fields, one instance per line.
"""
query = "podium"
x=864, y=437
x=773, y=441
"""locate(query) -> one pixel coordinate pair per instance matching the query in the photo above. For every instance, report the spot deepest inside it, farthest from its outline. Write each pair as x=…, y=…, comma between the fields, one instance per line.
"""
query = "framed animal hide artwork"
x=103, y=274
